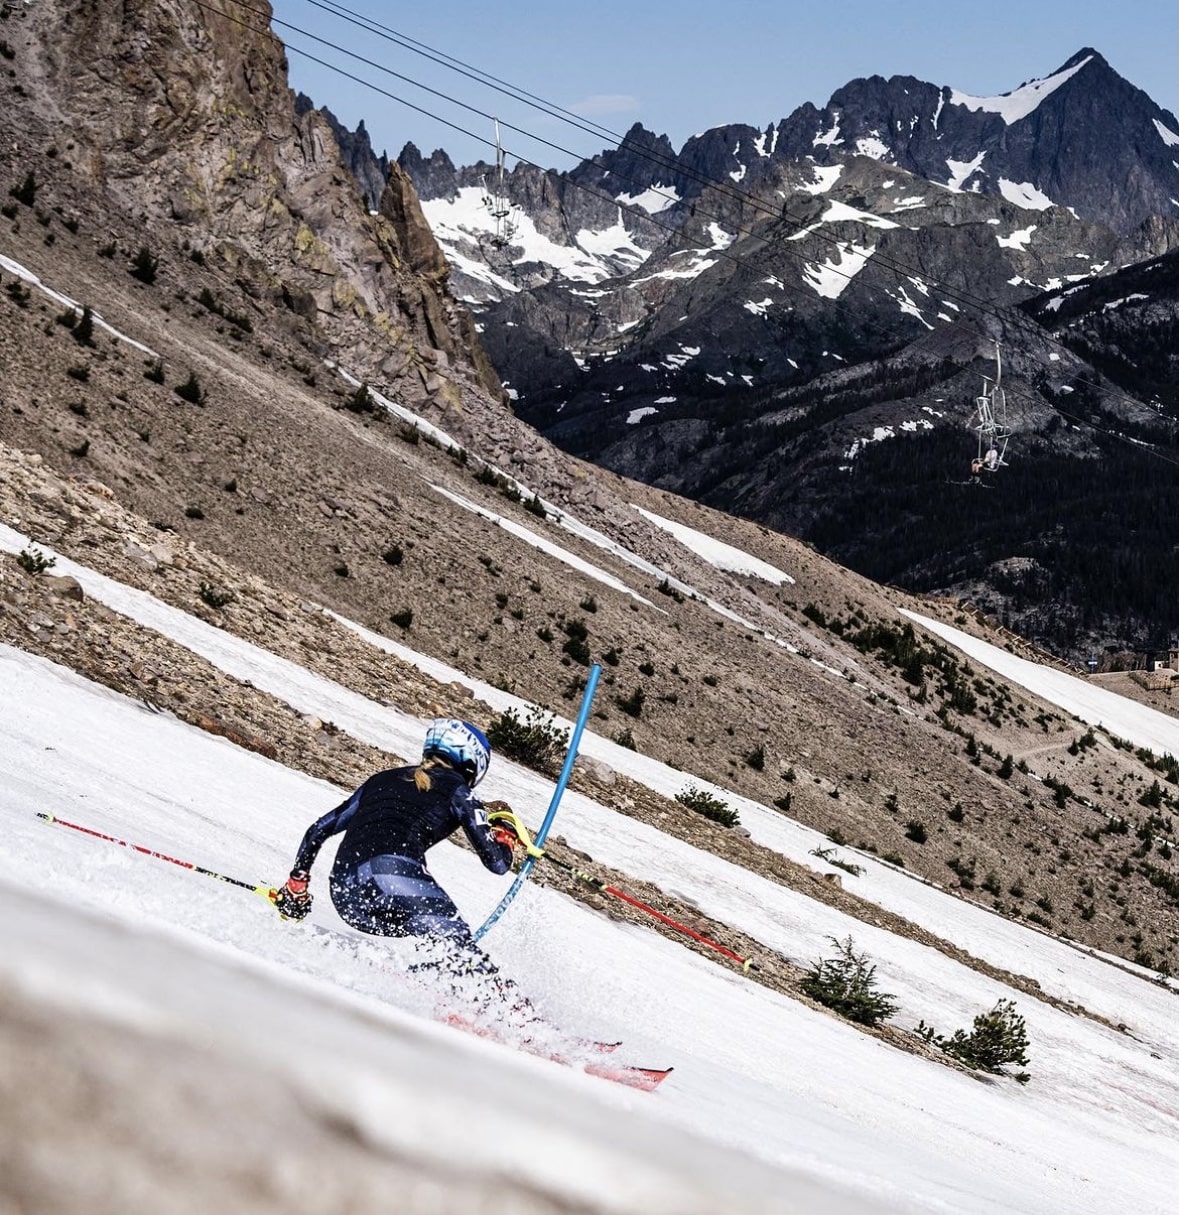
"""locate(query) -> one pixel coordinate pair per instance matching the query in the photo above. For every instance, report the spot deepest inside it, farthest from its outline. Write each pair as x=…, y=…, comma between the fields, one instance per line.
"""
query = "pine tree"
x=847, y=985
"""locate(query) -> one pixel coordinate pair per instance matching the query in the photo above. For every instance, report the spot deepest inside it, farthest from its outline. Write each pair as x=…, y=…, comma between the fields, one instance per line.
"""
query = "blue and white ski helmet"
x=460, y=744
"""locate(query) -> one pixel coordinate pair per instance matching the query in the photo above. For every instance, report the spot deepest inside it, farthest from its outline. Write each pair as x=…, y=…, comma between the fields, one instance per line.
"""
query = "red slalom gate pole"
x=746, y=964
x=254, y=888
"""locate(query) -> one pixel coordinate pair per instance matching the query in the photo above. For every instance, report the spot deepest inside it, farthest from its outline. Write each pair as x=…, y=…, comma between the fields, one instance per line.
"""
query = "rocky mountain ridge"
x=665, y=313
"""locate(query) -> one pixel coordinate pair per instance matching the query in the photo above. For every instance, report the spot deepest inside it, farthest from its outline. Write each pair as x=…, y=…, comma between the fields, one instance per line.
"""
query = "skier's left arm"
x=495, y=855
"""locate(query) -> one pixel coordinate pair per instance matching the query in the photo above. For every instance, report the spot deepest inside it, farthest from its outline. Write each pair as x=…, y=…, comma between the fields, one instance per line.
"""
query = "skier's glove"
x=292, y=899
x=509, y=830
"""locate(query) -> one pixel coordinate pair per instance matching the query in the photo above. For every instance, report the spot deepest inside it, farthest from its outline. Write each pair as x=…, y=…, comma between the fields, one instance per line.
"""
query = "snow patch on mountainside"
x=463, y=224
x=830, y=278
x=961, y=170
x=1019, y=103
x=653, y=200
x=1024, y=194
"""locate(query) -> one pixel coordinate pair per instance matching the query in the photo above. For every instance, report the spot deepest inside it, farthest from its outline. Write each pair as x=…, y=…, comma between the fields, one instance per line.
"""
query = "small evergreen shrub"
x=83, y=330
x=155, y=372
x=915, y=830
x=26, y=192
x=145, y=266
x=706, y=804
x=576, y=645
x=402, y=619
x=361, y=401
x=996, y=1039
x=33, y=561
x=393, y=555
x=536, y=507
x=756, y=759
x=191, y=390
x=847, y=985
x=632, y=705
x=214, y=596
x=535, y=741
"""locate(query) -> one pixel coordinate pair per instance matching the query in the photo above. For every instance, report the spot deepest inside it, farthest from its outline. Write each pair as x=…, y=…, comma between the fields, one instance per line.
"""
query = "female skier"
x=379, y=883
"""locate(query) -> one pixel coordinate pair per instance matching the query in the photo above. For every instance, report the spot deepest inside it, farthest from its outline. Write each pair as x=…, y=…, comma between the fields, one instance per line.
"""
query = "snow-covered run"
x=1020, y=102
x=717, y=552
x=540, y=542
x=773, y=1106
x=1143, y=726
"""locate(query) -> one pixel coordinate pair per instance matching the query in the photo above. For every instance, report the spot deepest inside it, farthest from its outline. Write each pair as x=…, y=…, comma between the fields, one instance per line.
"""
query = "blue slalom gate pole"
x=587, y=699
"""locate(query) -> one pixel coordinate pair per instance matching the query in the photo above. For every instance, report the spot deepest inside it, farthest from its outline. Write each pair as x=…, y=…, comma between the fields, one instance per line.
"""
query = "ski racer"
x=380, y=883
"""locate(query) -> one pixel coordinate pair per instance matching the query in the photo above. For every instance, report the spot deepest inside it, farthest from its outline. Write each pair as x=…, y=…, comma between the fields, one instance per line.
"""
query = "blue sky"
x=682, y=68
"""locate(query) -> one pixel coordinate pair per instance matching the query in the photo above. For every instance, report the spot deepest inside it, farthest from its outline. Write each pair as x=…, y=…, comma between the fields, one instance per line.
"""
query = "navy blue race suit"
x=380, y=883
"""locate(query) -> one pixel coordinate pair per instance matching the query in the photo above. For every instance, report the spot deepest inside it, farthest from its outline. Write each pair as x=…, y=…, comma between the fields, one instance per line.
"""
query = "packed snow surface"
x=772, y=1106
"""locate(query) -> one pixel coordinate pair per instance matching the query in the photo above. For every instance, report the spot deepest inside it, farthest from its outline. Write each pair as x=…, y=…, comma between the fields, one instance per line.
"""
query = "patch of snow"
x=717, y=552
x=1169, y=137
x=1126, y=299
x=1020, y=102
x=872, y=145
x=637, y=415
x=756, y=307
x=1024, y=194
x=1019, y=239
x=830, y=137
x=825, y=177
x=960, y=170
x=653, y=200
x=830, y=278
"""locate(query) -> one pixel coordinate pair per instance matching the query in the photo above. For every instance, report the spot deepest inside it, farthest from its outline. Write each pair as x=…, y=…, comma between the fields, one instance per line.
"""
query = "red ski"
x=645, y=1078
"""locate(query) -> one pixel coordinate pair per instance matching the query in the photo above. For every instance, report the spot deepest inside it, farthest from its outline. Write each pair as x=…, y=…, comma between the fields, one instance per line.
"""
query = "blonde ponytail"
x=421, y=776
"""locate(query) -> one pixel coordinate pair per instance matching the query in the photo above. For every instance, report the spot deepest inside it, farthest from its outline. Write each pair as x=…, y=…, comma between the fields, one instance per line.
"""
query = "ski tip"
x=647, y=1079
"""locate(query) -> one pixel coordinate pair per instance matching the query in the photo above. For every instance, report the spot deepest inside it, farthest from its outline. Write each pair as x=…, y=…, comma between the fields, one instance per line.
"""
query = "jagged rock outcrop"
x=181, y=111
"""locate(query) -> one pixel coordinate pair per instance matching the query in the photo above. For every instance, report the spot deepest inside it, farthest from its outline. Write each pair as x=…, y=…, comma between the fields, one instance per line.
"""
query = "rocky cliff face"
x=180, y=118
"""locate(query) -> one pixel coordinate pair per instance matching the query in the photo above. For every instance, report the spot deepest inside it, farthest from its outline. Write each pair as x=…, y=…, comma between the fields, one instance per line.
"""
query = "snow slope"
x=771, y=1103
